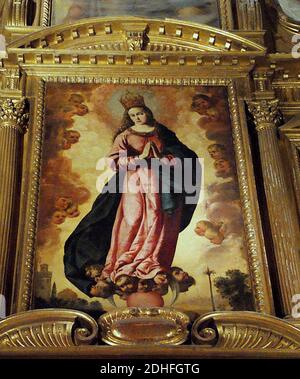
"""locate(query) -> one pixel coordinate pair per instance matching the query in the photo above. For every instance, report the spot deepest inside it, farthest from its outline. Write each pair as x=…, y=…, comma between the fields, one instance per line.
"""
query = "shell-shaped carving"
x=246, y=330
x=144, y=326
x=48, y=328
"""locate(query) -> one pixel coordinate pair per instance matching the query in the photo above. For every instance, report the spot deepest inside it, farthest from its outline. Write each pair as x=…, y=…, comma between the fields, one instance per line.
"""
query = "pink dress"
x=144, y=237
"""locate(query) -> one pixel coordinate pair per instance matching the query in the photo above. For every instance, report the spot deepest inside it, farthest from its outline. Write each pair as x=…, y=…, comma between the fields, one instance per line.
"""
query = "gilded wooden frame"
x=35, y=91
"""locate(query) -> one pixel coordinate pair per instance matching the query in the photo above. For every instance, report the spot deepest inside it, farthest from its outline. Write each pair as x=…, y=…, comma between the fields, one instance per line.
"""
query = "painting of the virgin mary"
x=129, y=237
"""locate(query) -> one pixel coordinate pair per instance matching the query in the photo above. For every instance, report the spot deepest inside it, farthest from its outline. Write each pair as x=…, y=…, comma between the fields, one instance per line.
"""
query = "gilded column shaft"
x=283, y=222
x=13, y=121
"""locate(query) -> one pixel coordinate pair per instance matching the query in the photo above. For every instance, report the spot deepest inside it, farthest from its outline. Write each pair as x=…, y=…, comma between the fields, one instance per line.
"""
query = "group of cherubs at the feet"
x=126, y=285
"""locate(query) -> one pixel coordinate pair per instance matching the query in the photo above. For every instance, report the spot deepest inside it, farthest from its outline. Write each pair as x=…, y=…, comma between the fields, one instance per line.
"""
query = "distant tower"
x=43, y=283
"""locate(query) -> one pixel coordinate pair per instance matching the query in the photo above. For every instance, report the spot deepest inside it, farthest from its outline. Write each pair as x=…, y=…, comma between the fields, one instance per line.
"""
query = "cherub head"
x=214, y=234
x=68, y=112
x=145, y=285
x=161, y=278
x=94, y=272
x=162, y=289
x=59, y=217
x=201, y=227
x=72, y=136
x=223, y=167
x=81, y=109
x=102, y=289
x=217, y=151
x=66, y=145
x=76, y=98
x=73, y=211
x=178, y=274
x=126, y=284
x=62, y=203
x=184, y=280
x=201, y=103
x=212, y=231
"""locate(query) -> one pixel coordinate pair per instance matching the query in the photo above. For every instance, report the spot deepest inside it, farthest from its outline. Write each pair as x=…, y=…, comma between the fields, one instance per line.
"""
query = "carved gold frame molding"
x=245, y=330
x=49, y=328
x=52, y=332
x=37, y=82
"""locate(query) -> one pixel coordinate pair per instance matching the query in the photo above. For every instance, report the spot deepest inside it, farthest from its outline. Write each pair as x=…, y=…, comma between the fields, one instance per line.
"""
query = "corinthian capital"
x=265, y=113
x=14, y=114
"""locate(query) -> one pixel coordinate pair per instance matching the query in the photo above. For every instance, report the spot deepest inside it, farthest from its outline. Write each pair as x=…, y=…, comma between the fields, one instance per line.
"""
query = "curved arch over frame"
x=157, y=35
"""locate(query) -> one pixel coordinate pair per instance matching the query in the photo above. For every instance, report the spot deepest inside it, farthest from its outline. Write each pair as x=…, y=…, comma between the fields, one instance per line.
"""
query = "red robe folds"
x=144, y=236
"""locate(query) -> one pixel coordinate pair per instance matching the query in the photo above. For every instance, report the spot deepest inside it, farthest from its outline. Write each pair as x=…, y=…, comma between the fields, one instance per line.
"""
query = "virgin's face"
x=138, y=116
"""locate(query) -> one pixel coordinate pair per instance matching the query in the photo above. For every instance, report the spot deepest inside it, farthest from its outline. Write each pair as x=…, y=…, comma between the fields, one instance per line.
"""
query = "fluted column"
x=13, y=124
x=249, y=15
x=285, y=232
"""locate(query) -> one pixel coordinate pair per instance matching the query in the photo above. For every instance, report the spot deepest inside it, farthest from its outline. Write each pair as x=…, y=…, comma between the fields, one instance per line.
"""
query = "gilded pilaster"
x=249, y=15
x=282, y=216
x=18, y=12
x=13, y=125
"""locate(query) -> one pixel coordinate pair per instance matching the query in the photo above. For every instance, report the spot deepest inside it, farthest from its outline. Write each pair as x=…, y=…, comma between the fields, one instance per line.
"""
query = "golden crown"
x=132, y=100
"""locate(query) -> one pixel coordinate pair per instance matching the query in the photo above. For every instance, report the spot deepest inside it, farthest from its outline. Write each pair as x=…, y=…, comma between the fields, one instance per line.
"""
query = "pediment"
x=136, y=34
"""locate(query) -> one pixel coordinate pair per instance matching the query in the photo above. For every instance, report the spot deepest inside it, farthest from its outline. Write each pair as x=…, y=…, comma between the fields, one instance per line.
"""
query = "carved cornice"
x=123, y=41
x=48, y=328
x=108, y=30
x=13, y=114
x=86, y=58
x=244, y=331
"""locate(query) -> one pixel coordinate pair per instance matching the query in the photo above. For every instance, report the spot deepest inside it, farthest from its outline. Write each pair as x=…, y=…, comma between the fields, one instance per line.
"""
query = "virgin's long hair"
x=127, y=122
